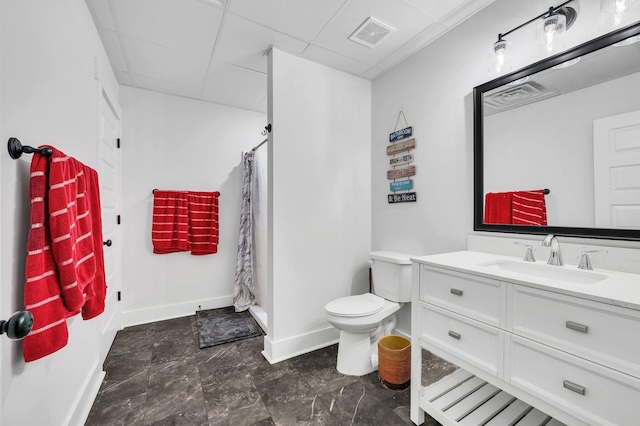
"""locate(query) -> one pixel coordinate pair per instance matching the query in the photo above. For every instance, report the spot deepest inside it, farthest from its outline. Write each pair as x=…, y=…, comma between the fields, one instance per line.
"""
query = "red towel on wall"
x=497, y=208
x=203, y=222
x=63, y=260
x=529, y=208
x=170, y=222
x=95, y=305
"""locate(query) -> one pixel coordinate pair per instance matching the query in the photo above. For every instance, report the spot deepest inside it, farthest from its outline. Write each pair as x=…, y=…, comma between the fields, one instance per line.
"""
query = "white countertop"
x=616, y=288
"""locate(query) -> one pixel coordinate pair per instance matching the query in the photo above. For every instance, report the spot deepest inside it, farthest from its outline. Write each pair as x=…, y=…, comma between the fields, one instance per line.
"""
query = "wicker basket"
x=394, y=361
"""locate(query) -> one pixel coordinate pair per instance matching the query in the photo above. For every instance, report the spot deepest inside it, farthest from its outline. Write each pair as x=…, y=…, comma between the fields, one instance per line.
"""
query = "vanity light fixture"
x=552, y=24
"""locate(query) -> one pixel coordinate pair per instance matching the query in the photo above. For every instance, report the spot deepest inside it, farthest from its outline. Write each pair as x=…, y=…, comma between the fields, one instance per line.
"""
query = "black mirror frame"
x=478, y=136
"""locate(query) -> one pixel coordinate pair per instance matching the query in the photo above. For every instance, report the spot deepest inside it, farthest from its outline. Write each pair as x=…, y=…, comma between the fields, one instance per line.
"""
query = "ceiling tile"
x=465, y=11
x=165, y=87
x=160, y=63
x=406, y=20
x=111, y=43
x=190, y=26
x=334, y=60
x=236, y=48
x=436, y=8
x=372, y=73
x=101, y=12
x=309, y=17
x=413, y=45
x=235, y=86
x=124, y=78
x=262, y=106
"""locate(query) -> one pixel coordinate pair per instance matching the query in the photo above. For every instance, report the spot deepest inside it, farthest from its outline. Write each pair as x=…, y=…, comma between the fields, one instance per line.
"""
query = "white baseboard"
x=161, y=313
x=276, y=351
x=86, y=396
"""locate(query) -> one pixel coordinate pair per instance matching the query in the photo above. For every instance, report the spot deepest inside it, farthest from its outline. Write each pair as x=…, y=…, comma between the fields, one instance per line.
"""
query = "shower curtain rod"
x=260, y=144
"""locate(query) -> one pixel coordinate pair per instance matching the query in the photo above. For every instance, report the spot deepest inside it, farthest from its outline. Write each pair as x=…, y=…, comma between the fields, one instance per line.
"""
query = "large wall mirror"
x=569, y=126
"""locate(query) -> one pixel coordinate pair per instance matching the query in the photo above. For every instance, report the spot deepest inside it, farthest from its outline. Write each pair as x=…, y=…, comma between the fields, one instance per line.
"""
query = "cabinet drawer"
x=476, y=297
x=596, y=331
x=595, y=394
x=473, y=341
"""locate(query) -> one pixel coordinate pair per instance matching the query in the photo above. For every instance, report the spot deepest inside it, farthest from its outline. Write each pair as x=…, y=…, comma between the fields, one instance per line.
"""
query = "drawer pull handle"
x=577, y=326
x=574, y=387
x=454, y=335
x=456, y=292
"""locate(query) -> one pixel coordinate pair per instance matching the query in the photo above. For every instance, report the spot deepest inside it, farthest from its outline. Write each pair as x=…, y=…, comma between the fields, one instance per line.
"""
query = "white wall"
x=49, y=96
x=434, y=89
x=320, y=199
x=169, y=142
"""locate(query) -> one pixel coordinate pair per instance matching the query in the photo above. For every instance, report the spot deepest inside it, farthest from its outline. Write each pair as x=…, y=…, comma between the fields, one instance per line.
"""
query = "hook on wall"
x=267, y=130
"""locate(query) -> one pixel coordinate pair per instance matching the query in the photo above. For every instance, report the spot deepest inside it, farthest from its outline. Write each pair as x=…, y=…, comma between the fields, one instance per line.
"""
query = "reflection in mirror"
x=569, y=124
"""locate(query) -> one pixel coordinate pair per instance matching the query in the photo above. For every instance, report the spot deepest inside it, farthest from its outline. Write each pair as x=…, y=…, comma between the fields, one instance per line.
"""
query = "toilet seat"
x=355, y=306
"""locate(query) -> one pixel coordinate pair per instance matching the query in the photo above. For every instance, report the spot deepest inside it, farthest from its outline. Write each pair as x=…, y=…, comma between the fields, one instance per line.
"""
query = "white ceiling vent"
x=371, y=33
x=521, y=94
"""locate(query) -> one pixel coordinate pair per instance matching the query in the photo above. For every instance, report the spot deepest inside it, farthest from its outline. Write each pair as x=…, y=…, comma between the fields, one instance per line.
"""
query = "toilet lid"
x=355, y=306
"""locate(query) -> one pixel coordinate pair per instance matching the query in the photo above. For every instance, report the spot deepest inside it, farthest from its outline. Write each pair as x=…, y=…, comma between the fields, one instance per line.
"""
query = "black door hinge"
x=119, y=296
x=118, y=144
x=118, y=219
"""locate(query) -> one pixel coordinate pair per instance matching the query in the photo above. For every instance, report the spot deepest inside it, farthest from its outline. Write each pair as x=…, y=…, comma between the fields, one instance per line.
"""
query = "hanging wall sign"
x=401, y=146
x=400, y=173
x=407, y=197
x=403, y=185
x=400, y=134
x=397, y=161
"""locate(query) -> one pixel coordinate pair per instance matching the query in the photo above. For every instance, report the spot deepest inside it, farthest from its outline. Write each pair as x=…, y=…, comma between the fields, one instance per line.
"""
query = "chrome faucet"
x=555, y=258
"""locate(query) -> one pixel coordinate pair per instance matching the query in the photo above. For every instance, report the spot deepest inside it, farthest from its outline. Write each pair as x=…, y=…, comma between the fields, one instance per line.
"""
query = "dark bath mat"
x=224, y=325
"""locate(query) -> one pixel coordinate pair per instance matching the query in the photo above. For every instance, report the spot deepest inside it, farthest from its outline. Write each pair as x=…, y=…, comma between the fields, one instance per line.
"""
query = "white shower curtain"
x=243, y=288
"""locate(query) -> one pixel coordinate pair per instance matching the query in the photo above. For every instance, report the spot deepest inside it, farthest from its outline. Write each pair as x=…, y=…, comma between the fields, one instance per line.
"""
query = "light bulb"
x=618, y=13
x=499, y=62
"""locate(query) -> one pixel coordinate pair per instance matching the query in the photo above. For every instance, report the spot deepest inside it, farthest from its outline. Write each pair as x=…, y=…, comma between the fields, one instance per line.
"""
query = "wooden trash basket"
x=394, y=362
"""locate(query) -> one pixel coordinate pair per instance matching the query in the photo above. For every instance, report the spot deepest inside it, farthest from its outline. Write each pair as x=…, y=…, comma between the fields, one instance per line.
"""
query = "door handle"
x=107, y=243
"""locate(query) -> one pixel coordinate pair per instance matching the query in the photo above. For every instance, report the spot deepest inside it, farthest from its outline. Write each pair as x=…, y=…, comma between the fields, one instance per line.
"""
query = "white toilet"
x=363, y=319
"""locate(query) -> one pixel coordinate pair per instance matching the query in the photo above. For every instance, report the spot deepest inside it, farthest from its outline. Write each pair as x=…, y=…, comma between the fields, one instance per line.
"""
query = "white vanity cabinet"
x=521, y=345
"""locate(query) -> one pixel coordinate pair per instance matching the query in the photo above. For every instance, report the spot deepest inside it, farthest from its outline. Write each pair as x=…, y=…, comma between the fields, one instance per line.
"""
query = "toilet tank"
x=391, y=273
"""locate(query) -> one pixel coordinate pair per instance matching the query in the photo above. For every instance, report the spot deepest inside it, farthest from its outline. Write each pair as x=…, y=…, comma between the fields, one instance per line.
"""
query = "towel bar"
x=16, y=149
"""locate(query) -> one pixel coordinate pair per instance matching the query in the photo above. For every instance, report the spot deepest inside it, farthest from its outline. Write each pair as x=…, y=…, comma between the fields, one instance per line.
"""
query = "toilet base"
x=354, y=354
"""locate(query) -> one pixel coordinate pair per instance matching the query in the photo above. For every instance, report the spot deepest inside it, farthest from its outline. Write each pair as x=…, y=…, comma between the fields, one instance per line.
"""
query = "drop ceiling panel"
x=235, y=86
x=165, y=87
x=464, y=11
x=436, y=8
x=412, y=46
x=123, y=77
x=236, y=48
x=101, y=11
x=160, y=63
x=334, y=60
x=189, y=26
x=303, y=19
x=406, y=20
x=111, y=43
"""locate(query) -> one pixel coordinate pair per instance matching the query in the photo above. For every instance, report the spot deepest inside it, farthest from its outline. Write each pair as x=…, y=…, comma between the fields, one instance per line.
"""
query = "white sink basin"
x=558, y=273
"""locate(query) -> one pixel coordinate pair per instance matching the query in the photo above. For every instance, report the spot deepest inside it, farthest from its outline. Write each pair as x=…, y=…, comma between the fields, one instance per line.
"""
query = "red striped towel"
x=42, y=288
x=203, y=222
x=95, y=305
x=63, y=261
x=529, y=208
x=170, y=222
x=70, y=225
x=497, y=208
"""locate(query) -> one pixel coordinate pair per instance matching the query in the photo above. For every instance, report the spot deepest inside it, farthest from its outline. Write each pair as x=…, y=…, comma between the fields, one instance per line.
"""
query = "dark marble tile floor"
x=157, y=375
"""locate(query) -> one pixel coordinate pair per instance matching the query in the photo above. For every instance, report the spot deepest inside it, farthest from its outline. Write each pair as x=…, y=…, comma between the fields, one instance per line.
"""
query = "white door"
x=616, y=162
x=109, y=174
